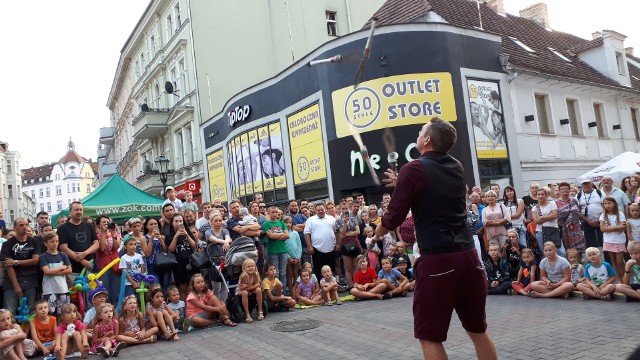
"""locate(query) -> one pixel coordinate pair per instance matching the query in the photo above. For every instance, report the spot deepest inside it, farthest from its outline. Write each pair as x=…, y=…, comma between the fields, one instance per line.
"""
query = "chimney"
x=596, y=35
x=628, y=51
x=538, y=13
x=496, y=5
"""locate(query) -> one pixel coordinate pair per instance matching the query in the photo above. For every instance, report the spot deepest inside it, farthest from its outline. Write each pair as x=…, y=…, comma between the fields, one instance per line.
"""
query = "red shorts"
x=445, y=282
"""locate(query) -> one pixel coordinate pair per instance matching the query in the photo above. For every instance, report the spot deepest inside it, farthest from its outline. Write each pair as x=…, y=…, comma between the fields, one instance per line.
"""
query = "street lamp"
x=162, y=164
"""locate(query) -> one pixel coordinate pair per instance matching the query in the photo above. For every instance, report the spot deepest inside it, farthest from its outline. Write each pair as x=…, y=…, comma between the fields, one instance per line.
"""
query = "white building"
x=56, y=185
x=13, y=202
x=184, y=59
x=569, y=104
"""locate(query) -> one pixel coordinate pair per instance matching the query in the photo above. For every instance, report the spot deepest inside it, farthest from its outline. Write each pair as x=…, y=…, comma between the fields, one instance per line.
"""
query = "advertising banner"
x=307, y=148
x=273, y=159
x=217, y=180
x=264, y=143
x=246, y=162
x=485, y=104
x=256, y=164
x=393, y=101
x=239, y=166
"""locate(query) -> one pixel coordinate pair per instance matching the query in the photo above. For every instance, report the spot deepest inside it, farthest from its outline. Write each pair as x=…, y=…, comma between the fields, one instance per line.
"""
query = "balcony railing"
x=106, y=136
x=149, y=124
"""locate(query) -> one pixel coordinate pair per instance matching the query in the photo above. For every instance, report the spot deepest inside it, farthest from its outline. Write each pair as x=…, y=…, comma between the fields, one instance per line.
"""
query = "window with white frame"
x=620, y=63
x=8, y=166
x=176, y=13
x=41, y=206
x=598, y=113
x=10, y=191
x=59, y=205
x=542, y=113
x=142, y=63
x=332, y=25
x=48, y=190
x=169, y=25
x=189, y=145
x=156, y=95
x=58, y=189
x=136, y=69
x=634, y=122
x=57, y=176
x=41, y=192
x=173, y=79
x=88, y=188
x=48, y=206
x=33, y=194
x=12, y=216
x=182, y=77
x=178, y=149
x=68, y=188
x=152, y=45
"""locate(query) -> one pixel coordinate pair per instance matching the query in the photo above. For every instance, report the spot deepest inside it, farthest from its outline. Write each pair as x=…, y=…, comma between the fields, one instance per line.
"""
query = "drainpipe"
x=348, y=15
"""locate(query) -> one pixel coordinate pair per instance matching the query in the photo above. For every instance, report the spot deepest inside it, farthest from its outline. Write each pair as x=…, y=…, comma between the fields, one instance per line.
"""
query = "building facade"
x=14, y=202
x=184, y=59
x=56, y=185
x=529, y=104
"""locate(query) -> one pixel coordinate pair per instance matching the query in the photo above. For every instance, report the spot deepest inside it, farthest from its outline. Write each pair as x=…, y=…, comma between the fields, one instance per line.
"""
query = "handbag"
x=508, y=225
x=166, y=260
x=552, y=234
x=198, y=260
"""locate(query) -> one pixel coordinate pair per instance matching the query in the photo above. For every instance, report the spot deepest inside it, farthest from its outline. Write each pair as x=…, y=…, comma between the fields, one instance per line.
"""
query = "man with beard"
x=235, y=229
x=78, y=240
x=165, y=220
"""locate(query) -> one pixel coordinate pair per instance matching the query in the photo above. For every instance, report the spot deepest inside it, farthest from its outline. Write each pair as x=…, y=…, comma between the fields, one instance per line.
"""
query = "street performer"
x=448, y=273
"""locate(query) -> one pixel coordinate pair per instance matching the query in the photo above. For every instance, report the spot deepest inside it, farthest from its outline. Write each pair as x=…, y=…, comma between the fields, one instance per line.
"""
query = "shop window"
x=312, y=190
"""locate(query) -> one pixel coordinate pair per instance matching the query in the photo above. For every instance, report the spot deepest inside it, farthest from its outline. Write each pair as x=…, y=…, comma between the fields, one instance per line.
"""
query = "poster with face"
x=246, y=161
x=232, y=170
x=264, y=144
x=256, y=163
x=273, y=159
x=239, y=166
x=486, y=117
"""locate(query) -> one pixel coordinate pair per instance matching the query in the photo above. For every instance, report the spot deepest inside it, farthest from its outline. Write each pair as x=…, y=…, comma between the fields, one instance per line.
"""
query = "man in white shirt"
x=609, y=190
x=590, y=200
x=321, y=239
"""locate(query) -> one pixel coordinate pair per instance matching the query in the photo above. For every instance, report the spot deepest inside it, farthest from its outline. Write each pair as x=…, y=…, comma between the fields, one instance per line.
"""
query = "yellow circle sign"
x=303, y=168
x=362, y=107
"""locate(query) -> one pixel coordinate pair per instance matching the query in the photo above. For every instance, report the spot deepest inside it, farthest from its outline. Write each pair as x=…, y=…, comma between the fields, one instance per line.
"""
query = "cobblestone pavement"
x=522, y=328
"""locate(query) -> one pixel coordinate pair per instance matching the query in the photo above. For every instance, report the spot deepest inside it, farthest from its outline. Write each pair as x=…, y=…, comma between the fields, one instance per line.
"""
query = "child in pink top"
x=71, y=334
x=203, y=305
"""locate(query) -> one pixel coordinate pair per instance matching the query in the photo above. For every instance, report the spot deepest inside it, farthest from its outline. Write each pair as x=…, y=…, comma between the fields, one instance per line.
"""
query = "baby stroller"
x=241, y=249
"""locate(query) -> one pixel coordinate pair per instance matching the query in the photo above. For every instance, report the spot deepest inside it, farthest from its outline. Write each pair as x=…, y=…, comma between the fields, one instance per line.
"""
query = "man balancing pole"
x=448, y=273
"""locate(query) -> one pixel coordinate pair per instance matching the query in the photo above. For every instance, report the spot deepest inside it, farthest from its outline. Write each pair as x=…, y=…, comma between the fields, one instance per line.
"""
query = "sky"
x=60, y=58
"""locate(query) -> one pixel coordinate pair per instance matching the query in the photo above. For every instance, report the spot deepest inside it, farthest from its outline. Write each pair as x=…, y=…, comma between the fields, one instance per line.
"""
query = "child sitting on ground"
x=178, y=308
x=272, y=288
x=43, y=329
x=306, y=266
x=132, y=329
x=630, y=286
x=308, y=291
x=366, y=284
x=498, y=269
x=159, y=316
x=577, y=271
x=402, y=267
x=97, y=297
x=70, y=334
x=397, y=284
x=526, y=274
x=106, y=332
x=329, y=287
x=14, y=344
x=249, y=283
x=203, y=305
x=599, y=277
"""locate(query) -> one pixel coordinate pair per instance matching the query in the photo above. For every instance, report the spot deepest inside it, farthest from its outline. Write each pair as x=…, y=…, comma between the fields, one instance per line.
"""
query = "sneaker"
x=388, y=295
x=76, y=354
x=338, y=302
x=50, y=357
x=510, y=292
x=116, y=350
x=186, y=325
x=104, y=352
x=328, y=303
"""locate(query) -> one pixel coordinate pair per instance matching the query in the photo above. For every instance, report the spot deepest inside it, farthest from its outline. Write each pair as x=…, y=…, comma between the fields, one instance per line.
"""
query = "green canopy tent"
x=117, y=199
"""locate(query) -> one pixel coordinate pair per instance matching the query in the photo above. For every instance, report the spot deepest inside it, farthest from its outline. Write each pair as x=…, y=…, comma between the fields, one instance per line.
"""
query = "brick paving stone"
x=522, y=328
